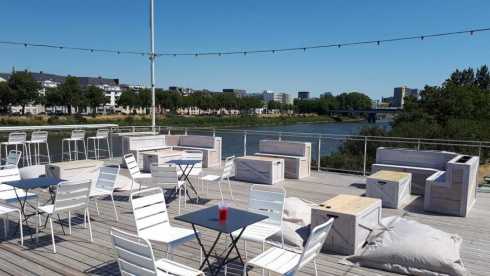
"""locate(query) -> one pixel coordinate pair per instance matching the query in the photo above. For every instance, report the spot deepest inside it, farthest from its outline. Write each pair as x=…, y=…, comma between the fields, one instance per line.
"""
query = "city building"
x=281, y=97
x=399, y=94
x=185, y=91
x=303, y=95
x=238, y=92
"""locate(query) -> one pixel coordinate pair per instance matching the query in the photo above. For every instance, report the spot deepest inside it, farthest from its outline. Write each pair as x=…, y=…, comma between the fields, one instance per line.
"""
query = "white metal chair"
x=102, y=135
x=134, y=171
x=5, y=210
x=77, y=136
x=225, y=175
x=268, y=202
x=17, y=140
x=104, y=186
x=70, y=196
x=13, y=158
x=167, y=176
x=135, y=257
x=284, y=262
x=152, y=221
x=9, y=194
x=38, y=138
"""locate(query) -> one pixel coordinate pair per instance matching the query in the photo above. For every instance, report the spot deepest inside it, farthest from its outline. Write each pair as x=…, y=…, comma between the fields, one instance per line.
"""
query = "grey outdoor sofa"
x=296, y=155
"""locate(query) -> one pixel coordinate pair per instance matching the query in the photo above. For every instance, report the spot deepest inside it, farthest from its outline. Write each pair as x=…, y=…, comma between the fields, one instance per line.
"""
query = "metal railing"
x=245, y=141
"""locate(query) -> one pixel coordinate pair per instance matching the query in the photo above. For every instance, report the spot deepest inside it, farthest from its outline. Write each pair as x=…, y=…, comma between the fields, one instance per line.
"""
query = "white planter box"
x=259, y=169
x=393, y=188
x=74, y=170
x=355, y=217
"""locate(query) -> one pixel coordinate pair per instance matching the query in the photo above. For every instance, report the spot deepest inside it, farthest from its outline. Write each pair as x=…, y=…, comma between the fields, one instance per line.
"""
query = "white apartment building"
x=281, y=97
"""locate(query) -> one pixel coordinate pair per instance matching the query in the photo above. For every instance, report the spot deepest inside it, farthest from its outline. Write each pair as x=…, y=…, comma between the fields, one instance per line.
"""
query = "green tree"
x=25, y=88
x=71, y=93
x=144, y=100
x=95, y=97
x=127, y=99
x=6, y=97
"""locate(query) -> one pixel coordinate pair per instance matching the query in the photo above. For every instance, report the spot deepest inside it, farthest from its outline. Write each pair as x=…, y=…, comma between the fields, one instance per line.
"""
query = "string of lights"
x=246, y=52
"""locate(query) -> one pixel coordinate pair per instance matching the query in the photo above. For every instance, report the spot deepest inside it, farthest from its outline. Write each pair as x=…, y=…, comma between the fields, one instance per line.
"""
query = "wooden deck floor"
x=76, y=255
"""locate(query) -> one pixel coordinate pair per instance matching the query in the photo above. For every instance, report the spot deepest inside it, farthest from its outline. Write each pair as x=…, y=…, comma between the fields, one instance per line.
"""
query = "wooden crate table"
x=74, y=170
x=355, y=217
x=393, y=188
x=159, y=157
x=259, y=169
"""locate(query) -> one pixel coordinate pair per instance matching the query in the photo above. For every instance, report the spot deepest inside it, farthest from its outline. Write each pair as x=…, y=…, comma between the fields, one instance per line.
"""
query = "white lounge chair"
x=269, y=203
x=225, y=175
x=134, y=171
x=167, y=176
x=284, y=262
x=152, y=222
x=135, y=257
x=5, y=210
x=104, y=186
x=13, y=158
x=70, y=196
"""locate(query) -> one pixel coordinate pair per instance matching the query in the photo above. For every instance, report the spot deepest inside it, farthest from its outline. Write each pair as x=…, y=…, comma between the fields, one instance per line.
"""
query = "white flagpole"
x=152, y=63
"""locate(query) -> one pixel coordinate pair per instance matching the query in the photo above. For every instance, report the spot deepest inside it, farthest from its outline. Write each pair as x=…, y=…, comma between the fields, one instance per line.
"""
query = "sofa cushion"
x=196, y=141
x=414, y=158
x=282, y=147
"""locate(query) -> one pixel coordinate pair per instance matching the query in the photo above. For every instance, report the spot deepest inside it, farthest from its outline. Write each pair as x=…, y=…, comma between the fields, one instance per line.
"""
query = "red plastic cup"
x=222, y=212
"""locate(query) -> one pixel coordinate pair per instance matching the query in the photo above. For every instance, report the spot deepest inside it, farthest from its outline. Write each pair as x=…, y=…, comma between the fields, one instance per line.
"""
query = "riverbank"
x=181, y=121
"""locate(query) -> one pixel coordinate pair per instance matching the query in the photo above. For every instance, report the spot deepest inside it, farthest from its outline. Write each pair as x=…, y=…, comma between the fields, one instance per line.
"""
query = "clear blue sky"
x=208, y=25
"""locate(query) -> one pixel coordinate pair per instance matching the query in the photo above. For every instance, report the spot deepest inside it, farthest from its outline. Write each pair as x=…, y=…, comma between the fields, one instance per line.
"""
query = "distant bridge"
x=372, y=114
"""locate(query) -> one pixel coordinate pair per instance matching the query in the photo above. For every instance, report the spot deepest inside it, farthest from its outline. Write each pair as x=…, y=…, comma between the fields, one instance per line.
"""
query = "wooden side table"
x=393, y=188
x=355, y=217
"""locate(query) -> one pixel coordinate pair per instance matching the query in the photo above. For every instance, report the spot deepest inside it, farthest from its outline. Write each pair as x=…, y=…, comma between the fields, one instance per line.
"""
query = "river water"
x=233, y=143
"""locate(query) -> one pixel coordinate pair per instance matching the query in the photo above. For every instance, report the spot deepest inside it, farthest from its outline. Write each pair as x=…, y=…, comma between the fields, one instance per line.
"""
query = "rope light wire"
x=244, y=52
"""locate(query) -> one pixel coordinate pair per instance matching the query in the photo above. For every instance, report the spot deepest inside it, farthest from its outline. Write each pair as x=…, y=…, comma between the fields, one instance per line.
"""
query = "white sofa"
x=453, y=191
x=296, y=155
x=420, y=163
x=139, y=144
x=209, y=145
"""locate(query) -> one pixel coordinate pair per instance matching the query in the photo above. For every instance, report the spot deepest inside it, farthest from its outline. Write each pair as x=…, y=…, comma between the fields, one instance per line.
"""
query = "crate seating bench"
x=137, y=145
x=420, y=163
x=209, y=145
x=296, y=155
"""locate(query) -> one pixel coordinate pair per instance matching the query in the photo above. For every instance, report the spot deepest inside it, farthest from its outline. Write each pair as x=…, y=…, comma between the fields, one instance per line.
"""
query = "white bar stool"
x=16, y=139
x=38, y=138
x=102, y=135
x=77, y=136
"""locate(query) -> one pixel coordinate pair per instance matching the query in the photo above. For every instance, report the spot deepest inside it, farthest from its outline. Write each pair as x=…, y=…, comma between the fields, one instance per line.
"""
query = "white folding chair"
x=13, y=158
x=5, y=210
x=9, y=194
x=77, y=136
x=134, y=171
x=284, y=262
x=38, y=138
x=135, y=257
x=152, y=222
x=102, y=135
x=268, y=202
x=225, y=175
x=167, y=176
x=104, y=186
x=70, y=196
x=16, y=140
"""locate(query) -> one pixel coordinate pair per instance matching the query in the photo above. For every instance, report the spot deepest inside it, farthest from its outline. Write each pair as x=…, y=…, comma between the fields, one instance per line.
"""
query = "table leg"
x=233, y=246
x=206, y=254
x=185, y=176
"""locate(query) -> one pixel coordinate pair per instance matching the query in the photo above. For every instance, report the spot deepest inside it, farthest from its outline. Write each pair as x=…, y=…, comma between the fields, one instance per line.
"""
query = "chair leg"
x=47, y=152
x=37, y=225
x=115, y=209
x=21, y=230
x=245, y=270
x=89, y=225
x=229, y=188
x=96, y=206
x=245, y=249
x=85, y=149
x=85, y=220
x=316, y=268
x=69, y=222
x=5, y=227
x=52, y=233
x=69, y=149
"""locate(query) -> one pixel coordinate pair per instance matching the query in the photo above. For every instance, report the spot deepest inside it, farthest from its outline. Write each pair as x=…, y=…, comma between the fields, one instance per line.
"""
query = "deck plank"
x=77, y=256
